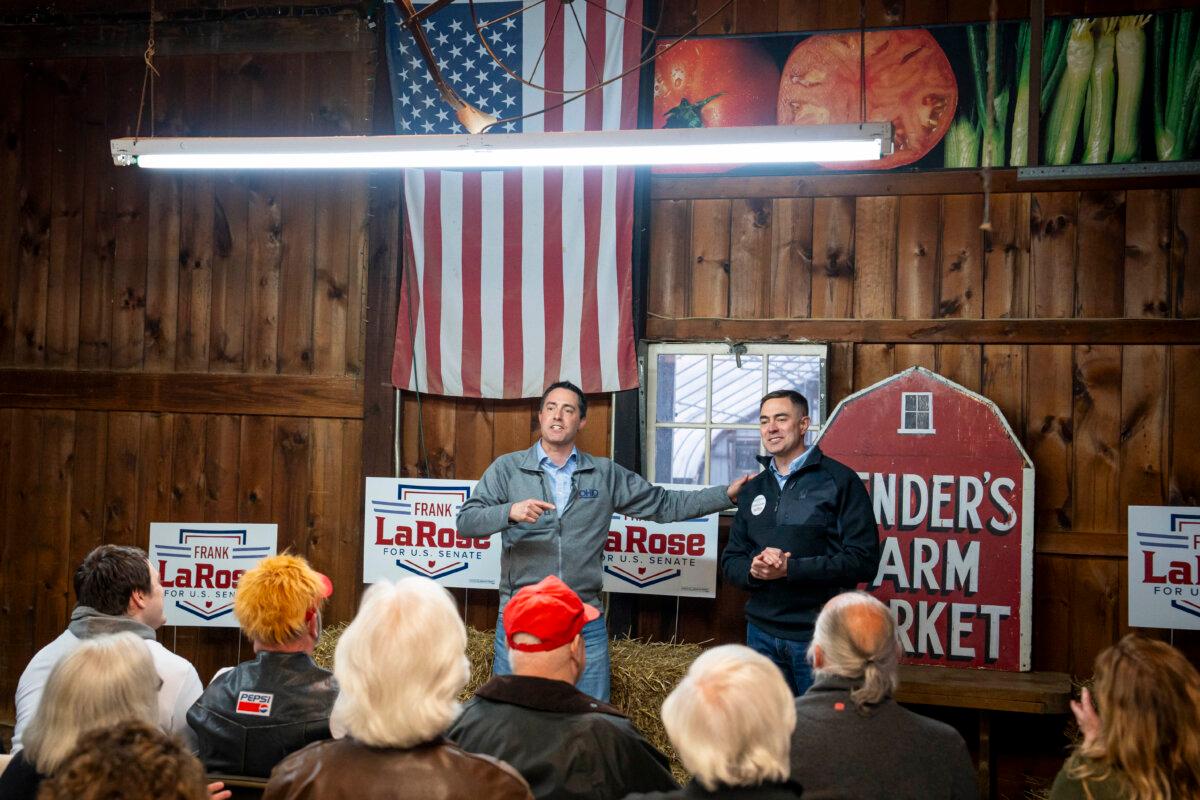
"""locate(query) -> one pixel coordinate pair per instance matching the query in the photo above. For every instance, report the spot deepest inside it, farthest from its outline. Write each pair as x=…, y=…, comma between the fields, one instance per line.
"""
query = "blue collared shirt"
x=781, y=479
x=560, y=477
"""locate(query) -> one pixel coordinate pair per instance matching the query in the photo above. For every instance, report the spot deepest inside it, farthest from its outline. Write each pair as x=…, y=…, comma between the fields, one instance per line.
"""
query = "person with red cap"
x=565, y=743
x=253, y=715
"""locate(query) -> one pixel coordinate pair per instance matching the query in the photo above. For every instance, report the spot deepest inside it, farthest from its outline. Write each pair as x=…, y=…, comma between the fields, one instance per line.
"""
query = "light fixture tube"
x=782, y=144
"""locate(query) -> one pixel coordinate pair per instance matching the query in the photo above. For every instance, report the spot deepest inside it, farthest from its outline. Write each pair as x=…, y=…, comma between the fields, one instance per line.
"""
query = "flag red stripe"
x=472, y=321
x=512, y=333
x=410, y=302
x=626, y=349
x=589, y=322
x=432, y=280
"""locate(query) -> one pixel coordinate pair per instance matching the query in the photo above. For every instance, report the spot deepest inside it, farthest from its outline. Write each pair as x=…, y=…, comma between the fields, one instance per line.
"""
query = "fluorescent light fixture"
x=782, y=144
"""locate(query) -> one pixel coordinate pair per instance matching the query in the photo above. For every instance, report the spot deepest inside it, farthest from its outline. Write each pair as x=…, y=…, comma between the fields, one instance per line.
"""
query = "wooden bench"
x=985, y=691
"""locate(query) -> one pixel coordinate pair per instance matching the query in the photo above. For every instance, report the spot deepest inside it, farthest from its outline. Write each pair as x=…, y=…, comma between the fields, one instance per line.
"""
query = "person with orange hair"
x=1141, y=736
x=252, y=716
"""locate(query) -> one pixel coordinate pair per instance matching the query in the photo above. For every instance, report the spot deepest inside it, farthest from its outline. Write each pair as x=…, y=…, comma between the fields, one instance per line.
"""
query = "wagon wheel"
x=567, y=15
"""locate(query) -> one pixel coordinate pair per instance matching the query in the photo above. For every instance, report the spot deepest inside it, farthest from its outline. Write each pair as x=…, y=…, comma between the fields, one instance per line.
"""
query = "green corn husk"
x=1019, y=148
x=1062, y=129
x=993, y=150
x=1131, y=74
x=961, y=145
x=1098, y=127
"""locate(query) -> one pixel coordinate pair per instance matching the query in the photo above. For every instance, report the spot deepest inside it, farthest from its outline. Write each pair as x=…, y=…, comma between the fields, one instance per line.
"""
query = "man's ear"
x=582, y=422
x=818, y=657
x=137, y=601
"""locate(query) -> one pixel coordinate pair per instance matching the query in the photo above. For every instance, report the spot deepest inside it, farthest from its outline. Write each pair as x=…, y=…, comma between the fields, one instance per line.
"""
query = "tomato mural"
x=714, y=83
x=909, y=83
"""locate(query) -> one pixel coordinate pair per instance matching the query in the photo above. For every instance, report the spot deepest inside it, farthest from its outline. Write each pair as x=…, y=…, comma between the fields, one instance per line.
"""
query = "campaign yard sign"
x=952, y=491
x=199, y=564
x=409, y=529
x=1164, y=567
x=676, y=558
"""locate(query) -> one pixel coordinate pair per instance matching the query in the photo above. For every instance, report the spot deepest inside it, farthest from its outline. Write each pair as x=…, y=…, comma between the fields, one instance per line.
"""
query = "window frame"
x=651, y=425
x=906, y=431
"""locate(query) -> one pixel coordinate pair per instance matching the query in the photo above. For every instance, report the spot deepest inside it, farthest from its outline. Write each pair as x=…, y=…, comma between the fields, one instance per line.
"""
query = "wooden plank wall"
x=175, y=347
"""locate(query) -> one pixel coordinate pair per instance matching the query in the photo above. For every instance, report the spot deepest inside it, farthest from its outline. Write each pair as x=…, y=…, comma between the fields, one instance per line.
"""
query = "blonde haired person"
x=400, y=666
x=852, y=739
x=1143, y=742
x=105, y=680
x=252, y=716
x=731, y=721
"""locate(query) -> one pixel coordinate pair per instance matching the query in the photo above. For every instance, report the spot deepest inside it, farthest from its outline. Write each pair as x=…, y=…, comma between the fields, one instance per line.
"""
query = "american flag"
x=517, y=278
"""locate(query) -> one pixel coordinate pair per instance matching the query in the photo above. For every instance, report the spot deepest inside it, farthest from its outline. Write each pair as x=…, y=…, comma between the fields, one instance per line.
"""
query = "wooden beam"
x=334, y=33
x=929, y=331
x=990, y=690
x=962, y=181
x=188, y=393
x=1081, y=543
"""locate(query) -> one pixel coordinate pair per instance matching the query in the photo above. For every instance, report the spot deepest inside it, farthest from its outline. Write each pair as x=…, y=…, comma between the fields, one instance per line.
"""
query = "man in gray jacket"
x=552, y=505
x=852, y=740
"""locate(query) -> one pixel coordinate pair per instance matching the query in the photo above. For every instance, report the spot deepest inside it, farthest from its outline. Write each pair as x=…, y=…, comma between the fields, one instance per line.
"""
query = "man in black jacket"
x=251, y=716
x=566, y=744
x=804, y=532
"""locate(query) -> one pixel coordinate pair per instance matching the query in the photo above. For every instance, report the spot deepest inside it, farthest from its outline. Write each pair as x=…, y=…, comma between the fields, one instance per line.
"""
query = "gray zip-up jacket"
x=568, y=544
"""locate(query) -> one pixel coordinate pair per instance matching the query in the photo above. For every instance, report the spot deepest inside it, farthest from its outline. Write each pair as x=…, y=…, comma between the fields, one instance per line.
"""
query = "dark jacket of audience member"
x=564, y=743
x=20, y=779
x=252, y=716
x=881, y=751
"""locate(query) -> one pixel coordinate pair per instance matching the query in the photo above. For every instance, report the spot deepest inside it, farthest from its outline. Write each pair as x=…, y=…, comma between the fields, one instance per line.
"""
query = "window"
x=704, y=424
x=916, y=412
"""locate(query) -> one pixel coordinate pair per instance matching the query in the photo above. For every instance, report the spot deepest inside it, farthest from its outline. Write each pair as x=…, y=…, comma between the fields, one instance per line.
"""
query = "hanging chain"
x=147, y=79
x=862, y=61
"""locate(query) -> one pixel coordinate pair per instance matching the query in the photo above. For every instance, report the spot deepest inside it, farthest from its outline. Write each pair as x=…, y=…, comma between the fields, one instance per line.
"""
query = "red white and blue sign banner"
x=952, y=490
x=199, y=564
x=672, y=558
x=1164, y=567
x=409, y=529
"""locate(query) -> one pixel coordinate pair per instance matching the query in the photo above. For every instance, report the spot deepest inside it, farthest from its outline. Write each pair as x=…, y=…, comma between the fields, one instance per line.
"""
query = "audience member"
x=104, y=680
x=583, y=748
x=132, y=760
x=399, y=666
x=852, y=739
x=731, y=721
x=117, y=589
x=251, y=717
x=1141, y=738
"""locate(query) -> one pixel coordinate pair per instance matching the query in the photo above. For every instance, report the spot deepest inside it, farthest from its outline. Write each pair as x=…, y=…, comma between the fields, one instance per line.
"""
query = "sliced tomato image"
x=713, y=83
x=909, y=83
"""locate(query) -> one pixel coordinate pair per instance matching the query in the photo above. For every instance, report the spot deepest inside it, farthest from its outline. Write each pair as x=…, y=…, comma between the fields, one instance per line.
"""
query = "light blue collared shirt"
x=781, y=479
x=560, y=477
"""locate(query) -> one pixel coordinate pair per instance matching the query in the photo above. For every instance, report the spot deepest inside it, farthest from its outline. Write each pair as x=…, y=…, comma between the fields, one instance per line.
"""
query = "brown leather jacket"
x=437, y=770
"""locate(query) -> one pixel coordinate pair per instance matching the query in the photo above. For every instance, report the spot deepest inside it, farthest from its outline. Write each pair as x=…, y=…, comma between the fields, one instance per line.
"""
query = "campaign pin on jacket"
x=255, y=703
x=758, y=505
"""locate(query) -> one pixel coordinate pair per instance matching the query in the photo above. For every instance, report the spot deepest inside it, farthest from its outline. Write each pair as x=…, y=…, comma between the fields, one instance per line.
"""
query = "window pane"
x=682, y=388
x=733, y=452
x=802, y=373
x=922, y=402
x=679, y=455
x=736, y=391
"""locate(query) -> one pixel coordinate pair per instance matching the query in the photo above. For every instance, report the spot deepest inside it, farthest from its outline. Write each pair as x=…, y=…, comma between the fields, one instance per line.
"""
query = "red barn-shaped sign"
x=953, y=494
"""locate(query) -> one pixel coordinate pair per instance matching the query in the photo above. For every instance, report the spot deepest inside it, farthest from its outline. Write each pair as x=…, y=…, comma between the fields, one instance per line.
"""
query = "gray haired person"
x=852, y=739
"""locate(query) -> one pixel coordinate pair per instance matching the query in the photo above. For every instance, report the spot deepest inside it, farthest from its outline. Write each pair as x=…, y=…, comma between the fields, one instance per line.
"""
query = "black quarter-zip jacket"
x=822, y=517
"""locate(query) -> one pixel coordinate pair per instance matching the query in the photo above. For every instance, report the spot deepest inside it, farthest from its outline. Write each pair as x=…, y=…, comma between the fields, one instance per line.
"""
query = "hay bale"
x=643, y=674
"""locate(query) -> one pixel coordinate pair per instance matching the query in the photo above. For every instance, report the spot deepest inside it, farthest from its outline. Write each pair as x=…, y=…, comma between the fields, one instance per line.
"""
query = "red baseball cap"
x=548, y=610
